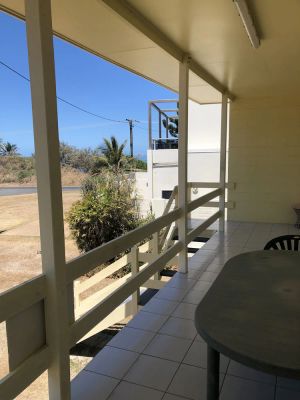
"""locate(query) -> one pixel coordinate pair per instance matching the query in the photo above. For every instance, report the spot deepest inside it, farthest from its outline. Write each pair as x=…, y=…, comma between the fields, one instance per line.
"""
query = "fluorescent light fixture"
x=245, y=15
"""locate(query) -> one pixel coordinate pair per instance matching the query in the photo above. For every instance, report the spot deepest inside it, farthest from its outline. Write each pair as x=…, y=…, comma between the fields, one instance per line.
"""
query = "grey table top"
x=252, y=311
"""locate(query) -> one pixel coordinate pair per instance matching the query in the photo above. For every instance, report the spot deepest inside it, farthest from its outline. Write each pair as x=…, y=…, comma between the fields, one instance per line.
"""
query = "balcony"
x=164, y=144
x=158, y=355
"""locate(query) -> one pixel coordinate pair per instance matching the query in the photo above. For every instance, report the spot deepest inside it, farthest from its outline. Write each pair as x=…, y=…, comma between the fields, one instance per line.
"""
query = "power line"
x=65, y=101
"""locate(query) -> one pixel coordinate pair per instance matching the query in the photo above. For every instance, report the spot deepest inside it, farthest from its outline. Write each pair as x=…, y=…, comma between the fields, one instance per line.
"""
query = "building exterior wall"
x=203, y=166
x=264, y=159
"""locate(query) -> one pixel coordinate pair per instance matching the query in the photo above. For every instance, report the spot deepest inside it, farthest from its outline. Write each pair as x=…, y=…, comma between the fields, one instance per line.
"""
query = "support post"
x=134, y=254
x=159, y=125
x=44, y=110
x=167, y=127
x=183, y=158
x=150, y=125
x=223, y=157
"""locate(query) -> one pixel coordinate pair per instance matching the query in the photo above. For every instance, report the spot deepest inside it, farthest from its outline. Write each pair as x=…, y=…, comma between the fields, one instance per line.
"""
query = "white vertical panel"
x=134, y=261
x=182, y=158
x=44, y=110
x=223, y=154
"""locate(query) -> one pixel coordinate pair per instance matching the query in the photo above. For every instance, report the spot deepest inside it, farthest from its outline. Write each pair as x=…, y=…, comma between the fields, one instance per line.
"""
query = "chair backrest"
x=286, y=242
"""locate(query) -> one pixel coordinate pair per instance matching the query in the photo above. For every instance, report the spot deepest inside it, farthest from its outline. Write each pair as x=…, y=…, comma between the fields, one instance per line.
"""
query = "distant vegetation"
x=16, y=169
x=76, y=163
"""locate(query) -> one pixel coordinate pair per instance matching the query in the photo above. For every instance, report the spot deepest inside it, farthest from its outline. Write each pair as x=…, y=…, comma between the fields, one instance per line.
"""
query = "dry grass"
x=20, y=171
x=21, y=260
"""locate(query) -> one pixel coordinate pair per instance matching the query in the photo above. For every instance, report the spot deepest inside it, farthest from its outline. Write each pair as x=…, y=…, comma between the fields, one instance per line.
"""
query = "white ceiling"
x=209, y=30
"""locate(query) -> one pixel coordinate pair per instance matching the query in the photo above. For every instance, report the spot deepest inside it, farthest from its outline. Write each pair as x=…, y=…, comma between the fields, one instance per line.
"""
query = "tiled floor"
x=159, y=354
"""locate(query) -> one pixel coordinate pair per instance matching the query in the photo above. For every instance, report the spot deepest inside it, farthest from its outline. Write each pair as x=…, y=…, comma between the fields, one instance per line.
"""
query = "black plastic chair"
x=286, y=242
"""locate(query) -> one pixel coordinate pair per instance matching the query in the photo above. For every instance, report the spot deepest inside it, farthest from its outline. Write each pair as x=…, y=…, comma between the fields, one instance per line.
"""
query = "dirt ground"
x=20, y=237
x=21, y=260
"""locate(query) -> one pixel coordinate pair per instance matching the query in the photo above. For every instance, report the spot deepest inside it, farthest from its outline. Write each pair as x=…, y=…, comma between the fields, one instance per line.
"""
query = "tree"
x=113, y=153
x=81, y=159
x=8, y=149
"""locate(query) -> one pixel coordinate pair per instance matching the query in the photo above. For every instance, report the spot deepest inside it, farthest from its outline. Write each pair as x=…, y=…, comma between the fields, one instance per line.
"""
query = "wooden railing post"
x=134, y=261
x=46, y=139
x=182, y=159
x=223, y=154
x=155, y=252
x=189, y=198
x=76, y=290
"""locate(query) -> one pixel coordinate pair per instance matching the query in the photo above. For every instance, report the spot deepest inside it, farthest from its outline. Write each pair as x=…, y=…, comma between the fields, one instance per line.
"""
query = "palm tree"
x=113, y=153
x=8, y=149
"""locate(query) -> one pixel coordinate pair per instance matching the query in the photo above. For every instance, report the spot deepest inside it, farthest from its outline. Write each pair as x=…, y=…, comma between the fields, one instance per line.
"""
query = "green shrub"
x=108, y=209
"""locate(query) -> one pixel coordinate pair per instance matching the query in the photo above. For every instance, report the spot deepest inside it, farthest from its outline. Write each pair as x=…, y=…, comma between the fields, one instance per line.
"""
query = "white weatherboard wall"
x=203, y=166
x=264, y=159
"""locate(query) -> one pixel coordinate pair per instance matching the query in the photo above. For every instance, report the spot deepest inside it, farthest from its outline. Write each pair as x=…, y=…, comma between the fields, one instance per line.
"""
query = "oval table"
x=251, y=314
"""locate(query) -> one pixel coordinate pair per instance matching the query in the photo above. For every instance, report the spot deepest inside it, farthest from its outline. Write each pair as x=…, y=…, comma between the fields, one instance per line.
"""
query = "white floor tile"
x=91, y=386
x=169, y=396
x=152, y=372
x=179, y=327
x=202, y=286
x=191, y=274
x=243, y=371
x=185, y=310
x=170, y=293
x=190, y=382
x=147, y=321
x=168, y=347
x=235, y=388
x=132, y=339
x=160, y=306
x=208, y=276
x=181, y=283
x=197, y=356
x=112, y=362
x=131, y=391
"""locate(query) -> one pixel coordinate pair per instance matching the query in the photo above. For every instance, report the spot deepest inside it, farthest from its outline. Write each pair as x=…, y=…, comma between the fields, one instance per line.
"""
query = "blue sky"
x=83, y=79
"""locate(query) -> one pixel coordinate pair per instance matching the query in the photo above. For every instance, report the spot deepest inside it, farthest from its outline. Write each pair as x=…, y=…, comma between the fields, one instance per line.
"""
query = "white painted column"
x=183, y=159
x=223, y=157
x=44, y=110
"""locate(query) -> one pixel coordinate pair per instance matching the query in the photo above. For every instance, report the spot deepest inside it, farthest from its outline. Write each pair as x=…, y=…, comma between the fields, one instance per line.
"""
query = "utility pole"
x=131, y=125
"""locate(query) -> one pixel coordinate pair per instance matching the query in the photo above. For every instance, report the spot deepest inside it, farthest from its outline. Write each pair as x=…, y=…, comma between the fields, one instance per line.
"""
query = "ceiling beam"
x=141, y=23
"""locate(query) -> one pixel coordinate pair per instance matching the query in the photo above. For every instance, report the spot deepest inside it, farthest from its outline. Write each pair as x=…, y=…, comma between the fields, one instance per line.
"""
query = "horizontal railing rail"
x=200, y=201
x=85, y=323
x=210, y=185
x=203, y=226
x=88, y=261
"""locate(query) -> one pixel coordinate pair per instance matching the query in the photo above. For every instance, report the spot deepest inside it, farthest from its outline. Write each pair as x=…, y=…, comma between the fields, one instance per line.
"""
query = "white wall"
x=264, y=159
x=202, y=167
x=204, y=126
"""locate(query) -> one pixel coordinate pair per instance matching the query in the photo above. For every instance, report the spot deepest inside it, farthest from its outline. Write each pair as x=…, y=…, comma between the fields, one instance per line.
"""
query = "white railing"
x=146, y=260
